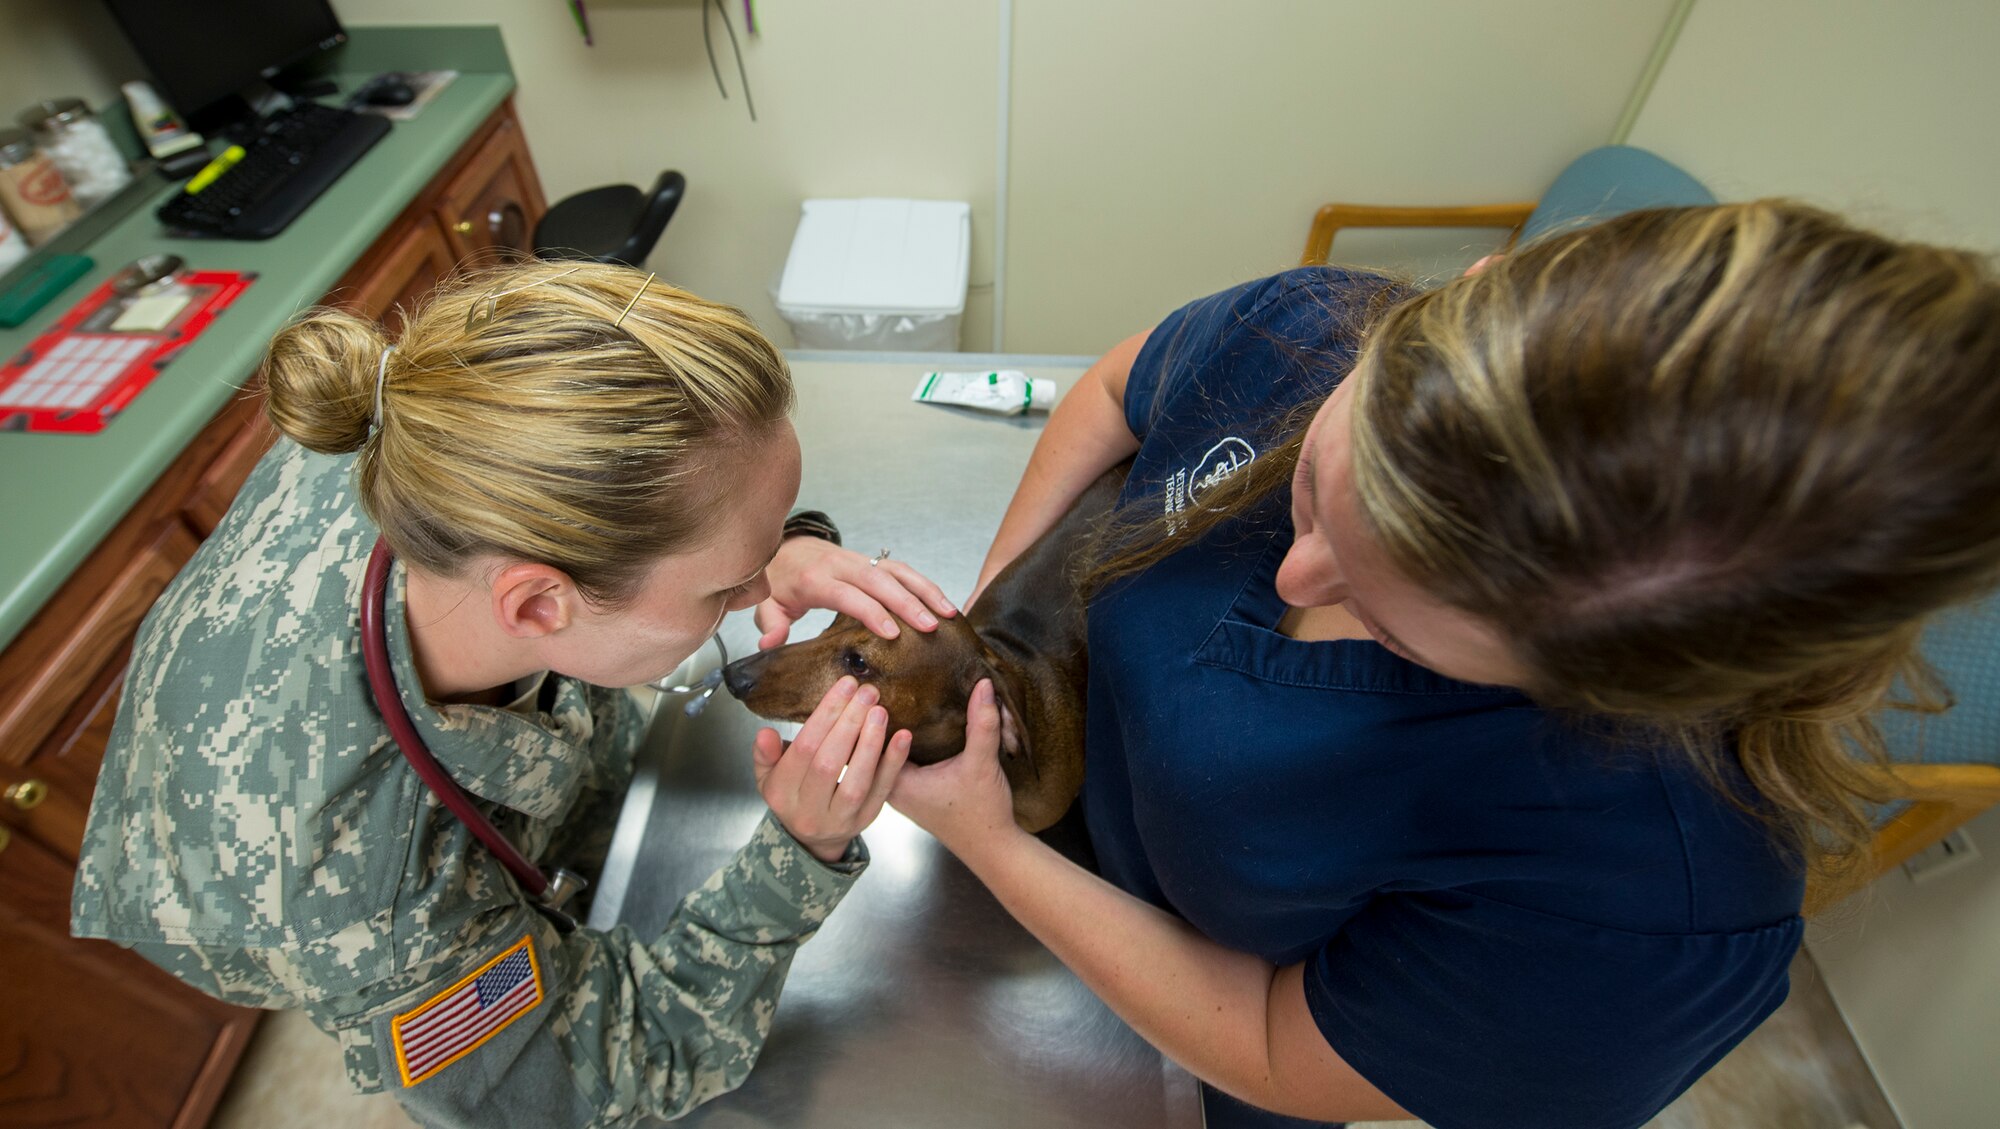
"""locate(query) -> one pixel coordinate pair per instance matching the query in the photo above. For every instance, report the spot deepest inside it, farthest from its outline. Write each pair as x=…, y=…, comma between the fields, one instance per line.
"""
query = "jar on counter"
x=32, y=189
x=13, y=248
x=81, y=147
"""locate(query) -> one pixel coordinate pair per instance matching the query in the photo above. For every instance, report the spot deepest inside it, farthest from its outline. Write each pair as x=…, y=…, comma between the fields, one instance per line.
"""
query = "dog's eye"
x=856, y=665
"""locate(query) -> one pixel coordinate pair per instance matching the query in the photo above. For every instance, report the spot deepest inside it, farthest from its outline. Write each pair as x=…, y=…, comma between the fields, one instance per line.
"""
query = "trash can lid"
x=878, y=256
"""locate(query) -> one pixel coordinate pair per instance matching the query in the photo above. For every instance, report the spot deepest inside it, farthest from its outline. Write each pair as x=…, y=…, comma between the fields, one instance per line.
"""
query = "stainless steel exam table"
x=921, y=1004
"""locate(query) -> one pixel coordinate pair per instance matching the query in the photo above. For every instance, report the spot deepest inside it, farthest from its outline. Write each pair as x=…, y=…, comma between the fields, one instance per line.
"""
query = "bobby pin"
x=633, y=302
x=482, y=310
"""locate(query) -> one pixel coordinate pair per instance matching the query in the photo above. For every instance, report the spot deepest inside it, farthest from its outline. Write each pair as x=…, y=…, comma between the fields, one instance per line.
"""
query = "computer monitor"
x=202, y=52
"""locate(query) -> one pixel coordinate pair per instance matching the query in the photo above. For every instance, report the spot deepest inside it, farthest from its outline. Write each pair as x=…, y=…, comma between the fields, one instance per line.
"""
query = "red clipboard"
x=84, y=370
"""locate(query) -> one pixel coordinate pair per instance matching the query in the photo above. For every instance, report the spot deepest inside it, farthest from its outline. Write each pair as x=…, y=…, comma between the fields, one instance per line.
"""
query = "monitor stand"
x=237, y=117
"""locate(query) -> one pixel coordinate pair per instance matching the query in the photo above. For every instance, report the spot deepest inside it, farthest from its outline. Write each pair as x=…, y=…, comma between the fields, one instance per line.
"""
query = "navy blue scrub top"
x=1508, y=917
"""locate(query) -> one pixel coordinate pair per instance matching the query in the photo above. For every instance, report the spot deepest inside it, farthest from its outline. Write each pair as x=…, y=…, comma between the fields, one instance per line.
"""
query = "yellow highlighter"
x=214, y=169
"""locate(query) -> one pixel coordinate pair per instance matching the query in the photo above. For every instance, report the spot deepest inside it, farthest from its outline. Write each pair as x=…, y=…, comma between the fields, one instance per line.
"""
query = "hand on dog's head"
x=924, y=679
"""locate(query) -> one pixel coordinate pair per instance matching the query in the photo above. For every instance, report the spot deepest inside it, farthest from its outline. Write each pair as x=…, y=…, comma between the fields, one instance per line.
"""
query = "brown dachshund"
x=1026, y=633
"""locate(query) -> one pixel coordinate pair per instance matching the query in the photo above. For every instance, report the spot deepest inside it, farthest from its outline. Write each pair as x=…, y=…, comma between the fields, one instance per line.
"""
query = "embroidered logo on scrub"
x=453, y=1023
x=1186, y=487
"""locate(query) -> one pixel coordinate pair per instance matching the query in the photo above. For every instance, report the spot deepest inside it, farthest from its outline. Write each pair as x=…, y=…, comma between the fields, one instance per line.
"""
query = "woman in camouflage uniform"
x=580, y=472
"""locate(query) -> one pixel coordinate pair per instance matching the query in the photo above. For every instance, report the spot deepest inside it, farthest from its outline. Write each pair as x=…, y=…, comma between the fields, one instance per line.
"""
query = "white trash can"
x=878, y=274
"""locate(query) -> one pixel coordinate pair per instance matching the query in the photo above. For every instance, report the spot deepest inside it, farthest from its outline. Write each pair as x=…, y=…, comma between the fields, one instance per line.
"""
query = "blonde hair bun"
x=320, y=372
x=558, y=412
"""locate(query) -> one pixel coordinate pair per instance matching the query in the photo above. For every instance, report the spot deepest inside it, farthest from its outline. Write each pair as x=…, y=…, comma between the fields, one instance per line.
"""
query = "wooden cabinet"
x=489, y=209
x=408, y=269
x=93, y=1035
x=98, y=624
x=251, y=436
x=47, y=786
x=480, y=211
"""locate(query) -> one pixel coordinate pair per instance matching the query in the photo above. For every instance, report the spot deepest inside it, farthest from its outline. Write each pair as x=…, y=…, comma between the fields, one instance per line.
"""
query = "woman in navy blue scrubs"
x=1474, y=672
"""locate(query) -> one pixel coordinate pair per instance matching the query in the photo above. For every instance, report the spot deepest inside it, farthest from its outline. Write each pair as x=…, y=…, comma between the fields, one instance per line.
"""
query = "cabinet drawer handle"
x=27, y=794
x=463, y=227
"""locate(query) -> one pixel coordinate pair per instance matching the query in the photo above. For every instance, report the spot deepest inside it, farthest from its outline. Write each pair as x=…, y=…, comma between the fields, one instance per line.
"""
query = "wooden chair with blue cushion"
x=1598, y=185
x=1947, y=767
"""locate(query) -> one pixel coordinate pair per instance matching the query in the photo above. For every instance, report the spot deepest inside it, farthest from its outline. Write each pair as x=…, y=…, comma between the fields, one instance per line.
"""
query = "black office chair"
x=613, y=224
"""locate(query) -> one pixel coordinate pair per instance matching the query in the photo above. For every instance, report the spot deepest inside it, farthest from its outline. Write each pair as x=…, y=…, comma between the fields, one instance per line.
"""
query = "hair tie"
x=381, y=374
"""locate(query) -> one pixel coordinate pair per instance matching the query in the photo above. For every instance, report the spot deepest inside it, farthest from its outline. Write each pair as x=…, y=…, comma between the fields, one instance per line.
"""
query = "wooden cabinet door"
x=413, y=264
x=490, y=208
x=97, y=626
x=216, y=488
x=46, y=784
x=93, y=1035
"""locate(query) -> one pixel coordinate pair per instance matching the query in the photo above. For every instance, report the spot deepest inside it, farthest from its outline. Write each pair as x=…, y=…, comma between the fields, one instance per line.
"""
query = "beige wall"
x=890, y=98
x=895, y=97
x=1164, y=150
x=60, y=49
x=1882, y=109
x=1130, y=119
x=1160, y=148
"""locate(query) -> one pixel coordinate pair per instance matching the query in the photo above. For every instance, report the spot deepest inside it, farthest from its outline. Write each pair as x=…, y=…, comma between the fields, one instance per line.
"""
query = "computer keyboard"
x=295, y=156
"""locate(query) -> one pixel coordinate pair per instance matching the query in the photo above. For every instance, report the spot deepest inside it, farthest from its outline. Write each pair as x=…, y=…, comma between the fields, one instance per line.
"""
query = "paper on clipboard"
x=152, y=313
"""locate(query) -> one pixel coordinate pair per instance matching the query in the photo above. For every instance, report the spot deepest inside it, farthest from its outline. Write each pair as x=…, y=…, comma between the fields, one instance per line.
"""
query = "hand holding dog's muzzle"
x=830, y=782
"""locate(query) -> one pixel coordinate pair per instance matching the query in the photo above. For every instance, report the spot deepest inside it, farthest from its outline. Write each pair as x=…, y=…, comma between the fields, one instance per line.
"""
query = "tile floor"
x=1800, y=1070
x=291, y=1077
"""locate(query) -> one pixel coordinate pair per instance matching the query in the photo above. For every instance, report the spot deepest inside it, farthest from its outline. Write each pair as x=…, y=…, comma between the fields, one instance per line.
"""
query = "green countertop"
x=61, y=494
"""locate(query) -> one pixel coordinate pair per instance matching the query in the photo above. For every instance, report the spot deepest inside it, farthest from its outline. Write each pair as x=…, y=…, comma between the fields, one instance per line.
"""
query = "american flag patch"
x=454, y=1022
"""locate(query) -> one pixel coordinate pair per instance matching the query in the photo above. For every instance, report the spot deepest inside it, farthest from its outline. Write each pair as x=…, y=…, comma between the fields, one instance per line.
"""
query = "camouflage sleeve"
x=671, y=1023
x=232, y=975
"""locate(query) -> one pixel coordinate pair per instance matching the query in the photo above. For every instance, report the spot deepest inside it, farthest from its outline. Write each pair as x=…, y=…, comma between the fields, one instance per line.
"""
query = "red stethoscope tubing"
x=389, y=702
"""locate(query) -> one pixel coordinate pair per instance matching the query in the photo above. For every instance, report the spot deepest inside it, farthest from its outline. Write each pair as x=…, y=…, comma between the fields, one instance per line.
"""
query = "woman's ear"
x=533, y=601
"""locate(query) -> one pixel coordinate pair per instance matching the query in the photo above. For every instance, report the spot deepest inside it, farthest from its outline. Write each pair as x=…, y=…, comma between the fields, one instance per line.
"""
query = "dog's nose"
x=741, y=675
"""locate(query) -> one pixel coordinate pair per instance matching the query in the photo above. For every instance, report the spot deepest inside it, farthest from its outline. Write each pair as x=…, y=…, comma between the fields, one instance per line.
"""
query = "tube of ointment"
x=163, y=130
x=1006, y=393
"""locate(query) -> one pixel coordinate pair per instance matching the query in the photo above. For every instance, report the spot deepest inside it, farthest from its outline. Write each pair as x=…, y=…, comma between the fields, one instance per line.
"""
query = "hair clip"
x=381, y=375
x=482, y=310
x=634, y=301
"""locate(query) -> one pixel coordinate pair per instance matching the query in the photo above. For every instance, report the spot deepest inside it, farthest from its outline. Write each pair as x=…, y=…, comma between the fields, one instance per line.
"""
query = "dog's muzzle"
x=741, y=676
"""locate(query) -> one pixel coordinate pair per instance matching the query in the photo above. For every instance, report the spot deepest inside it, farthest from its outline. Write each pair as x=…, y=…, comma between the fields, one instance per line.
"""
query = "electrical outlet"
x=1954, y=851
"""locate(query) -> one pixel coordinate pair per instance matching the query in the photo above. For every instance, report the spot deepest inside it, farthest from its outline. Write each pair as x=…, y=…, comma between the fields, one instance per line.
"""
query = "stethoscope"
x=550, y=891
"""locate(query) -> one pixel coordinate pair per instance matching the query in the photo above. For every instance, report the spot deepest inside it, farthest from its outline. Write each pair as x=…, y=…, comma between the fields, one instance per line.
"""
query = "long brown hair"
x=561, y=413
x=1708, y=470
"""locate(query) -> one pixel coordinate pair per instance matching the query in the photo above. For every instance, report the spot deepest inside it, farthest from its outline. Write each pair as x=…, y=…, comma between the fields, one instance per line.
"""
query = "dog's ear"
x=1008, y=691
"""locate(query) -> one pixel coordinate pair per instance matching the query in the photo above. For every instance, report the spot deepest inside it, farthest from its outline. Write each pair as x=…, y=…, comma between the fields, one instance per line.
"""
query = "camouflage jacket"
x=256, y=833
